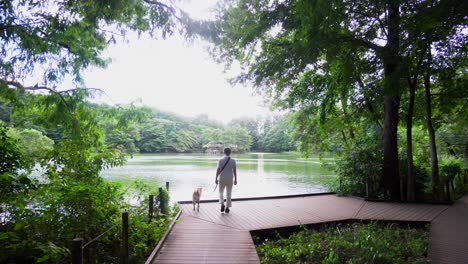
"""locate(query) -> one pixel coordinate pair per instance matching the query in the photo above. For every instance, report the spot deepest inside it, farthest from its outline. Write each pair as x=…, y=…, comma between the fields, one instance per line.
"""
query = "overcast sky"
x=173, y=75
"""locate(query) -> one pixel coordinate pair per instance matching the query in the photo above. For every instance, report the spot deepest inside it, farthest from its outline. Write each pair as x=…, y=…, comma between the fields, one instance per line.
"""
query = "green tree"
x=55, y=39
x=153, y=138
x=212, y=135
x=278, y=138
x=252, y=125
x=328, y=53
x=237, y=138
x=12, y=163
x=33, y=143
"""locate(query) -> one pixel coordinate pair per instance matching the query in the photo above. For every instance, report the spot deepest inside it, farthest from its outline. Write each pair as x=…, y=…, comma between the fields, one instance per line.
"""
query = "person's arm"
x=235, y=175
x=217, y=173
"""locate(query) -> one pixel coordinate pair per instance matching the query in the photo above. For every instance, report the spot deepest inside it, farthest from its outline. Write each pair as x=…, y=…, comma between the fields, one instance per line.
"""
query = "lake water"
x=259, y=174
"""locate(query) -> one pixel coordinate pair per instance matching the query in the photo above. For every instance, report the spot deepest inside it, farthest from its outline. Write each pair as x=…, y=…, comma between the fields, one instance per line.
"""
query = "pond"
x=259, y=174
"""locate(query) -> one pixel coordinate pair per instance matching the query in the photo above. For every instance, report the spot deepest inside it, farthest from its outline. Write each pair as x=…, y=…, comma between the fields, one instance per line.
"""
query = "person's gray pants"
x=228, y=187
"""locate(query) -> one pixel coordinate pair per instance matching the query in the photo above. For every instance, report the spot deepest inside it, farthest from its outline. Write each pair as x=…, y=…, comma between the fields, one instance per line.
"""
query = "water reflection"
x=260, y=168
x=259, y=174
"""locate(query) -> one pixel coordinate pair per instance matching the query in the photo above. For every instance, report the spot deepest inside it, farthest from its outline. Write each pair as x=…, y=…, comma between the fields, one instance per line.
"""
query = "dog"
x=196, y=197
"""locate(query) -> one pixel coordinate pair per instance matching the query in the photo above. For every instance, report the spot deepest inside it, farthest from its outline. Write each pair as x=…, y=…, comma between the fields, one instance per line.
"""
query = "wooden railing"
x=78, y=245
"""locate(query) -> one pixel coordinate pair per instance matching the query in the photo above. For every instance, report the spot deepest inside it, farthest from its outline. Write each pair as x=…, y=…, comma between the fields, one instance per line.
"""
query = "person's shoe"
x=227, y=210
x=222, y=208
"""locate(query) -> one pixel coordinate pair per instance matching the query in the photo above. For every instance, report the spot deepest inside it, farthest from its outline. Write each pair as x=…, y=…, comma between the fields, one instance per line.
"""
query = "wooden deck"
x=210, y=236
x=449, y=235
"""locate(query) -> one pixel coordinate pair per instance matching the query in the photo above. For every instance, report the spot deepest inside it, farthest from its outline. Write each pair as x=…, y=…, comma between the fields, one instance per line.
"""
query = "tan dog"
x=196, y=197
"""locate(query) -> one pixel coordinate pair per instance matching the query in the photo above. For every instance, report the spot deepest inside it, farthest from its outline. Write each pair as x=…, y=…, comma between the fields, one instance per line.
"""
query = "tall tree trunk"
x=390, y=166
x=411, y=181
x=412, y=85
x=391, y=61
x=430, y=129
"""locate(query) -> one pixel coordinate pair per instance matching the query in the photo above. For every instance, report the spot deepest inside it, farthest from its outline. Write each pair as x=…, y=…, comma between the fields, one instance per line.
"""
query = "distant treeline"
x=160, y=132
x=141, y=129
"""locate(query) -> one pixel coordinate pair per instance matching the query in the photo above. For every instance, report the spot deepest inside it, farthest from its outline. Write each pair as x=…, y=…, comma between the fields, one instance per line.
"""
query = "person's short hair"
x=227, y=151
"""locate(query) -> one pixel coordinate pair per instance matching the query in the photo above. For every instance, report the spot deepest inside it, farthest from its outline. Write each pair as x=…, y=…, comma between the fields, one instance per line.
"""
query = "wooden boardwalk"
x=449, y=235
x=210, y=236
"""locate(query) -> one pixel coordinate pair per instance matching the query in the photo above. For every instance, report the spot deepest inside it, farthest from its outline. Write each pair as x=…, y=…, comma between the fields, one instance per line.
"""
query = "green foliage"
x=361, y=164
x=253, y=126
x=451, y=172
x=344, y=66
x=278, y=137
x=69, y=199
x=453, y=137
x=155, y=131
x=423, y=186
x=33, y=143
x=14, y=166
x=145, y=234
x=13, y=159
x=66, y=37
x=356, y=243
x=451, y=168
x=237, y=138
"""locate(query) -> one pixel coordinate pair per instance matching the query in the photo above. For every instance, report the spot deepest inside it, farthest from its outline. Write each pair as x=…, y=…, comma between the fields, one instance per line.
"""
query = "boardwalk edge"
x=163, y=239
x=263, y=197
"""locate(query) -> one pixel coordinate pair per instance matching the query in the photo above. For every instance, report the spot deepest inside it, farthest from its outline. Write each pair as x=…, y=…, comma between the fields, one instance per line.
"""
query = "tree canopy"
x=51, y=190
x=342, y=66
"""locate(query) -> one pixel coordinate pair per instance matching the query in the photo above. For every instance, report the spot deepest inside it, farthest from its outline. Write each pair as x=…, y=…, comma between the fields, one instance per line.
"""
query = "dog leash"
x=224, y=166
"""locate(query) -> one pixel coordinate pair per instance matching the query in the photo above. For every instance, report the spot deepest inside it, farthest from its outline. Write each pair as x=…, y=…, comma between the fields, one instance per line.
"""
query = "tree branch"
x=362, y=43
x=169, y=8
x=34, y=88
x=50, y=90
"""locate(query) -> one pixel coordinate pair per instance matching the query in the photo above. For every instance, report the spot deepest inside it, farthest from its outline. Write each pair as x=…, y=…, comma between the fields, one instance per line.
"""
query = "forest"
x=382, y=85
x=165, y=132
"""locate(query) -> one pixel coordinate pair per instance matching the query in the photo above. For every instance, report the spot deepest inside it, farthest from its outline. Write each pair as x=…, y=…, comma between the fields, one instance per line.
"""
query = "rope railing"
x=77, y=243
x=99, y=236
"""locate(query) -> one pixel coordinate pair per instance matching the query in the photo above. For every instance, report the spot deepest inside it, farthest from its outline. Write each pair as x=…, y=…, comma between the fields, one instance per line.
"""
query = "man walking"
x=227, y=173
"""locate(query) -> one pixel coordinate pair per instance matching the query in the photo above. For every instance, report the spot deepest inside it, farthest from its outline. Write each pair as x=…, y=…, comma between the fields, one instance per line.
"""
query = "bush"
x=451, y=171
x=423, y=184
x=66, y=209
x=353, y=243
x=361, y=164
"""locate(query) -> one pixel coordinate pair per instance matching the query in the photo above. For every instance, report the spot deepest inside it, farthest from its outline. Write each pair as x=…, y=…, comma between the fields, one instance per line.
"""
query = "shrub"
x=352, y=243
x=361, y=164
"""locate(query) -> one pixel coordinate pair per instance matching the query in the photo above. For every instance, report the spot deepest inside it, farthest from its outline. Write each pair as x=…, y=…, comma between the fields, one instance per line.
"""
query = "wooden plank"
x=195, y=240
x=449, y=235
x=209, y=236
x=163, y=239
x=258, y=214
x=399, y=211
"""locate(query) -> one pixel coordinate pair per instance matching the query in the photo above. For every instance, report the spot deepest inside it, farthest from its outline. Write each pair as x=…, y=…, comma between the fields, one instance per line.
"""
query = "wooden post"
x=367, y=188
x=162, y=202
x=167, y=186
x=447, y=184
x=465, y=177
x=125, y=237
x=77, y=250
x=150, y=207
x=341, y=184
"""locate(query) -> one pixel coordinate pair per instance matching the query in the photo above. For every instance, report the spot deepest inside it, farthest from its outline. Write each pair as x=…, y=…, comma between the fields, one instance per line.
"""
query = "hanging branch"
x=169, y=8
x=49, y=89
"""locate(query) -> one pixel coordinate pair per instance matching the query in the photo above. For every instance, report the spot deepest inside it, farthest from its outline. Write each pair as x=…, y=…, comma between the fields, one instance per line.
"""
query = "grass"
x=349, y=243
